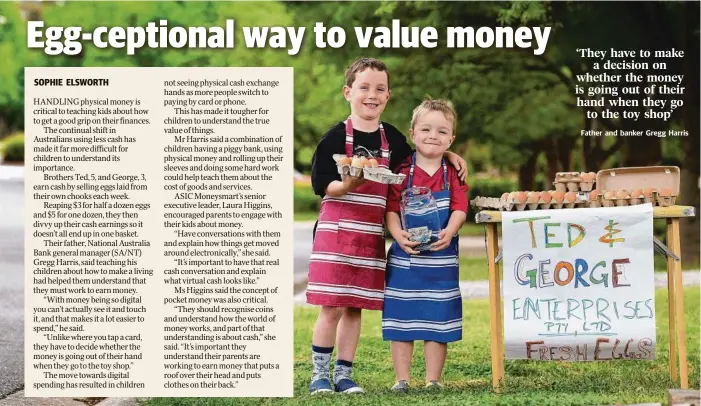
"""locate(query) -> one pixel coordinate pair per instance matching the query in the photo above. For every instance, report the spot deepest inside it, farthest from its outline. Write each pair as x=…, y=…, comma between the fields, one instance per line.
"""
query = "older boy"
x=347, y=265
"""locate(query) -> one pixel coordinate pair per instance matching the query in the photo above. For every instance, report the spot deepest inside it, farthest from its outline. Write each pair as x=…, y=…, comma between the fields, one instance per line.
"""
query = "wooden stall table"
x=491, y=219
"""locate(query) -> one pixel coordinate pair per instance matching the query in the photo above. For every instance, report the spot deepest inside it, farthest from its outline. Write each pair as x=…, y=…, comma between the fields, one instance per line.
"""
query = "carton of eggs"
x=621, y=197
x=574, y=181
x=531, y=200
x=353, y=166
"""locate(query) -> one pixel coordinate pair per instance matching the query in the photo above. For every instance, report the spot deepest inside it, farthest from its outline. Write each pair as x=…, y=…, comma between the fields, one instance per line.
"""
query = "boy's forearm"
x=457, y=218
x=448, y=154
x=394, y=224
x=336, y=189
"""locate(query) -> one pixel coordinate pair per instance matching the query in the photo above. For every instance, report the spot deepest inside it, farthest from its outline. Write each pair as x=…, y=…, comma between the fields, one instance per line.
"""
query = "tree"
x=13, y=54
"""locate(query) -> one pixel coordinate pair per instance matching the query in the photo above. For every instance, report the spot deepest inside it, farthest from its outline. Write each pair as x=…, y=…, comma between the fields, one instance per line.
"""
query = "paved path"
x=11, y=172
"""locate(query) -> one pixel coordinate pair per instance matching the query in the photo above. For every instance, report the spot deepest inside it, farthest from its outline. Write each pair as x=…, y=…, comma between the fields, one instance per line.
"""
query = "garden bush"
x=305, y=200
x=488, y=187
x=12, y=148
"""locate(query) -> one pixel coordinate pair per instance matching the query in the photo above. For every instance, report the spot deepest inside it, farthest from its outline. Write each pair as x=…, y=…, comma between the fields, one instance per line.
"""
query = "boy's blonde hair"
x=360, y=64
x=444, y=106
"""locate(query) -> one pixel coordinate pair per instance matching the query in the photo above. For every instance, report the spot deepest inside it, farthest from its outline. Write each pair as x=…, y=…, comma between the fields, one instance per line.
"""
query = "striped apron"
x=422, y=297
x=347, y=264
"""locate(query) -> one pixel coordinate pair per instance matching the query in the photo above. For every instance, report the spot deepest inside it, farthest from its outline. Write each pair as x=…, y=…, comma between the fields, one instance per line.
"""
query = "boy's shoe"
x=346, y=385
x=320, y=386
x=435, y=385
x=401, y=387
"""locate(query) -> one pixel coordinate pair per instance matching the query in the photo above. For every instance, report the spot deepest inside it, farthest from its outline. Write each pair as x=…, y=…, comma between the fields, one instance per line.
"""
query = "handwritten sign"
x=579, y=284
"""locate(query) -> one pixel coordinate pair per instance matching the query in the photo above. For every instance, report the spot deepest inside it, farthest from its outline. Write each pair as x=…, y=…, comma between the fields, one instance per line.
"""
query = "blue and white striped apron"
x=422, y=293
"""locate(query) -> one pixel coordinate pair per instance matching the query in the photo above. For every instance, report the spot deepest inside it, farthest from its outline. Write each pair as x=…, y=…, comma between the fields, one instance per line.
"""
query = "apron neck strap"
x=446, y=186
x=349, y=140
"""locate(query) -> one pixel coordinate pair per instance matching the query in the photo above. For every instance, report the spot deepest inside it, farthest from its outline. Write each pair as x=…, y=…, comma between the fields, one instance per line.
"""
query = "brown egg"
x=559, y=197
x=610, y=194
x=636, y=194
x=570, y=197
x=622, y=194
x=521, y=197
x=533, y=197
x=666, y=192
x=364, y=162
x=593, y=195
x=648, y=192
x=546, y=196
x=373, y=162
x=346, y=160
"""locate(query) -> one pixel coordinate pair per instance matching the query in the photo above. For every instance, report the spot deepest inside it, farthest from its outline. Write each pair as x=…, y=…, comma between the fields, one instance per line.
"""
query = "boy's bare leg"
x=326, y=325
x=322, y=348
x=347, y=338
x=435, y=354
x=348, y=334
x=402, y=353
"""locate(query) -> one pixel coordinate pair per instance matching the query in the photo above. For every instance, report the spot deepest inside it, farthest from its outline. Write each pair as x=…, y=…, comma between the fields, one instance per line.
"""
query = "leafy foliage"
x=12, y=148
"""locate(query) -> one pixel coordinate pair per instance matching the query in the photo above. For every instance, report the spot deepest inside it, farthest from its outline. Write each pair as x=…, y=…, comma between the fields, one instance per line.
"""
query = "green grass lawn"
x=467, y=374
x=472, y=229
x=474, y=268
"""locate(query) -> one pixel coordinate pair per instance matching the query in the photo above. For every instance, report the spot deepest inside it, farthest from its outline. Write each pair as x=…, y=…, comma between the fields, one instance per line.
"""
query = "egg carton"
x=574, y=181
x=488, y=203
x=541, y=204
x=567, y=181
x=655, y=199
x=665, y=179
x=665, y=201
x=383, y=175
x=345, y=168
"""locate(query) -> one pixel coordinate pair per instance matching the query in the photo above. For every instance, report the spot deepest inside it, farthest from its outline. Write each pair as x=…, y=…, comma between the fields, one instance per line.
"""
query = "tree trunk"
x=689, y=188
x=593, y=151
x=565, y=146
x=4, y=128
x=552, y=161
x=641, y=151
x=526, y=176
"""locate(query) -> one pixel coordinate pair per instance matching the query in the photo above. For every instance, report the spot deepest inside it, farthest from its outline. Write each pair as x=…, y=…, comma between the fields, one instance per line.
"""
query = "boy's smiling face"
x=432, y=134
x=368, y=95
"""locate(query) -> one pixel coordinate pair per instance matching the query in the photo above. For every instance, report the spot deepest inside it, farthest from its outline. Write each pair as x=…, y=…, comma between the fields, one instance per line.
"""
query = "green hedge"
x=487, y=187
x=12, y=148
x=305, y=200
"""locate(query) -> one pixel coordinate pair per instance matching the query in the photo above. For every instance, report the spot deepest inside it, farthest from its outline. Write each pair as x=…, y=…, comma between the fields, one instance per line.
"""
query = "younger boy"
x=422, y=298
x=347, y=264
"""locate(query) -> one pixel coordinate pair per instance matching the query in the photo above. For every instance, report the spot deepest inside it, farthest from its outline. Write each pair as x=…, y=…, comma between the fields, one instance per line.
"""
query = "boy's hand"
x=351, y=182
x=443, y=241
x=459, y=164
x=406, y=244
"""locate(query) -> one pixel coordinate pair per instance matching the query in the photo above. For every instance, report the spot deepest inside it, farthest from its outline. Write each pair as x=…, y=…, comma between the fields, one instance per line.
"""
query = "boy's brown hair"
x=444, y=106
x=360, y=65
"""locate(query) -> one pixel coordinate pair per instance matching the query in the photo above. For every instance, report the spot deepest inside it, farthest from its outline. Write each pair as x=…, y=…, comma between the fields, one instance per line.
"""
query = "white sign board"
x=579, y=284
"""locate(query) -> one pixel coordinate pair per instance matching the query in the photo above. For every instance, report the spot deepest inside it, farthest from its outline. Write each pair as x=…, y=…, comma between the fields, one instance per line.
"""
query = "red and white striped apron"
x=347, y=265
